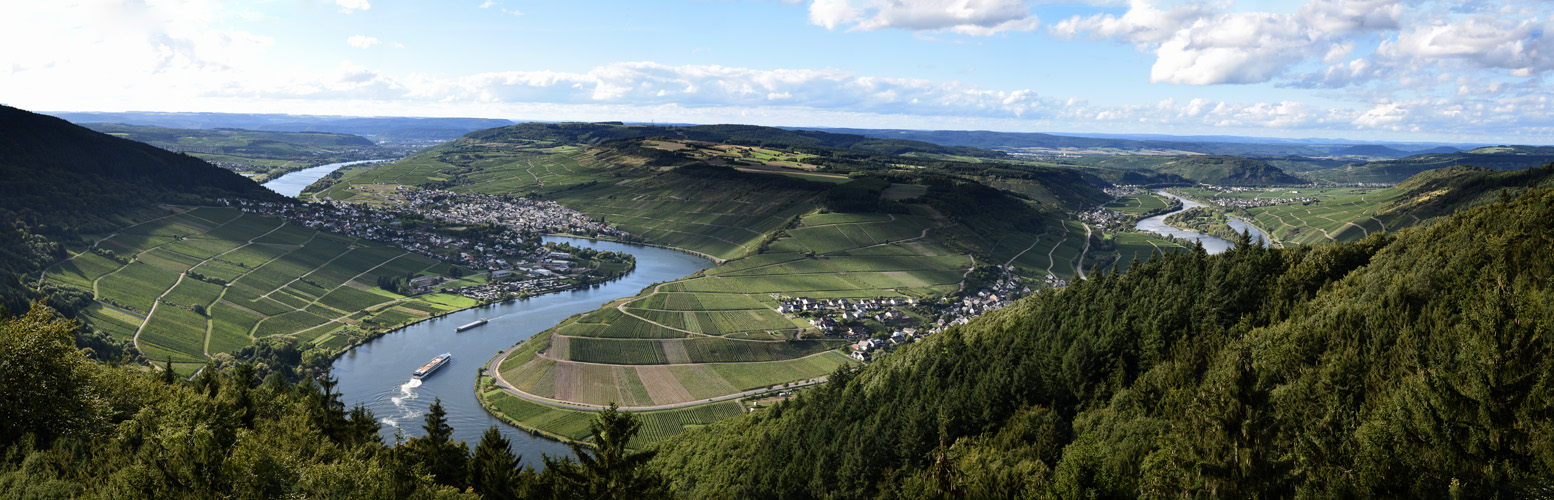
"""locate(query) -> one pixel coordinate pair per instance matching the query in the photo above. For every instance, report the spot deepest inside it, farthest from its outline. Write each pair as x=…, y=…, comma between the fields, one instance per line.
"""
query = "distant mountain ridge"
x=1228, y=171
x=163, y=136
x=381, y=128
x=1021, y=140
x=1394, y=171
x=1371, y=150
x=752, y=135
x=1221, y=145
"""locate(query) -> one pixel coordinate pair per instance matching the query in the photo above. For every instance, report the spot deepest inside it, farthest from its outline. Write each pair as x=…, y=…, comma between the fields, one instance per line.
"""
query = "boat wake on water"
x=407, y=393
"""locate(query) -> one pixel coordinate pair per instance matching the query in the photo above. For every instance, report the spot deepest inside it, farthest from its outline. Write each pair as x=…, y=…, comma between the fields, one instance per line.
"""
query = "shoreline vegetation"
x=583, y=281
x=715, y=260
x=1203, y=220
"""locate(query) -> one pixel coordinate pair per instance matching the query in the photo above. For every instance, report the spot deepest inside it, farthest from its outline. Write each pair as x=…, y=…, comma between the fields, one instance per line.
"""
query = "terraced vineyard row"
x=257, y=277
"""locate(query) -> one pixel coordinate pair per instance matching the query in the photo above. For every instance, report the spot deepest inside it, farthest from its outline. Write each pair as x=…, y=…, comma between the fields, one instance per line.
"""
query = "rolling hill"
x=251, y=150
x=1398, y=366
x=1394, y=171
x=1227, y=171
x=812, y=219
x=1014, y=141
x=1419, y=200
x=60, y=181
x=1371, y=150
x=744, y=135
x=133, y=241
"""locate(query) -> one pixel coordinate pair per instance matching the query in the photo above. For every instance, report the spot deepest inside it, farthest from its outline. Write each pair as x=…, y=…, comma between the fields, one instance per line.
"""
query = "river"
x=377, y=374
x=1212, y=244
x=292, y=184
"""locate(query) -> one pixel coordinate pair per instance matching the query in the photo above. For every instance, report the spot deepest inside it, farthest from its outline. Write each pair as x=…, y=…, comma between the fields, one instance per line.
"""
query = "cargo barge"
x=471, y=325
x=433, y=365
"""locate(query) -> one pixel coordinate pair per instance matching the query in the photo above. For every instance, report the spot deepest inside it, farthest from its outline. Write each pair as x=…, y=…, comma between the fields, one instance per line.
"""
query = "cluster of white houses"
x=501, y=251
x=867, y=349
x=494, y=252
x=998, y=294
x=828, y=315
x=1259, y=202
x=492, y=292
x=523, y=215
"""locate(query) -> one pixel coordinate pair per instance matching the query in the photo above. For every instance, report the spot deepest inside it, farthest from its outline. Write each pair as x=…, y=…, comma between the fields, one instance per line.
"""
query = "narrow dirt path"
x=154, y=303
x=1080, y=265
x=968, y=272
x=622, y=308
x=1022, y=252
x=1051, y=260
x=206, y=346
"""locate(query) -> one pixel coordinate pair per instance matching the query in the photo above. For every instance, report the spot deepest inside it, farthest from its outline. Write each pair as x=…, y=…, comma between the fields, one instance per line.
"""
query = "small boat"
x=482, y=321
x=433, y=365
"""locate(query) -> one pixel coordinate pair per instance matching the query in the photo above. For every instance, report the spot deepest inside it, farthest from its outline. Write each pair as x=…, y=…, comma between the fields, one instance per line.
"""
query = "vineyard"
x=212, y=280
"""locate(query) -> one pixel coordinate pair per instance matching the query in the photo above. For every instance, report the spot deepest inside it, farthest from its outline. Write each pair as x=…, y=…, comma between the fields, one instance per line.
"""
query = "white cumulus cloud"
x=968, y=17
x=1355, y=42
x=362, y=41
x=348, y=6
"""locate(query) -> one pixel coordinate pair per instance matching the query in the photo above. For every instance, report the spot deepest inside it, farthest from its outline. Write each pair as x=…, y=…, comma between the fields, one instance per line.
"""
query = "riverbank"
x=1236, y=224
x=377, y=332
x=292, y=181
x=376, y=374
x=717, y=260
x=485, y=384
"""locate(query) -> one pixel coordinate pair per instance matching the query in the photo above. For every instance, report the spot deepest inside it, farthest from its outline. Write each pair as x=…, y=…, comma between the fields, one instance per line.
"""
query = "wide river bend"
x=1212, y=244
x=377, y=374
x=292, y=184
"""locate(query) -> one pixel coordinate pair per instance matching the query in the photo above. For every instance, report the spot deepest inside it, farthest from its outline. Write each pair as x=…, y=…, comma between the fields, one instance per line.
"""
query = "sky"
x=1393, y=70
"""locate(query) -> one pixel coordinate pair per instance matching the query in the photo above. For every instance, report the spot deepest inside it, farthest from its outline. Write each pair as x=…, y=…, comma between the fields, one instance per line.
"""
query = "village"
x=499, y=291
x=521, y=215
x=517, y=265
x=847, y=317
x=516, y=245
x=1234, y=202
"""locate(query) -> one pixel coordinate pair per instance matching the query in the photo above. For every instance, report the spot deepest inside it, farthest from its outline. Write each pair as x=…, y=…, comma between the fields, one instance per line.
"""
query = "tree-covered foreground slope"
x=78, y=429
x=1415, y=365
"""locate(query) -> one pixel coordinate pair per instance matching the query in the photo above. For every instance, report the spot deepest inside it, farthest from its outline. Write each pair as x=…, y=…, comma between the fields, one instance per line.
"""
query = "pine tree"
x=493, y=469
x=608, y=470
x=436, y=452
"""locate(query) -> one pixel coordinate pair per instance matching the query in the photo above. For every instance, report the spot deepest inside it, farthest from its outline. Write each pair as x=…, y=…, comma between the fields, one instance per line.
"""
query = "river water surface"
x=292, y=184
x=377, y=374
x=1212, y=244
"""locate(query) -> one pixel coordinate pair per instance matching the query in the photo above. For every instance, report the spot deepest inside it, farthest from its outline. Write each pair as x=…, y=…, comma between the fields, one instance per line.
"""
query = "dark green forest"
x=75, y=428
x=1417, y=365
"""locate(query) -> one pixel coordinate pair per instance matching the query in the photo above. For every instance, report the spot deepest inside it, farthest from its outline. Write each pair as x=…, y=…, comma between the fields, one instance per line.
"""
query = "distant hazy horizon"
x=1365, y=70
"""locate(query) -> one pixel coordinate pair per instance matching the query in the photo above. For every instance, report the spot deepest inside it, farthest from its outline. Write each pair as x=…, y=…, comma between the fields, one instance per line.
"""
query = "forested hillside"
x=1228, y=171
x=59, y=181
x=1415, y=365
x=1495, y=158
x=1418, y=200
x=78, y=429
